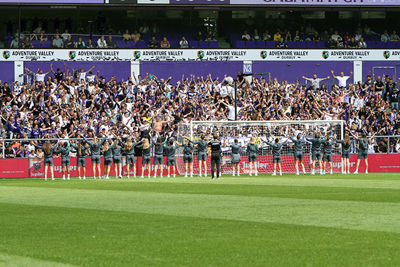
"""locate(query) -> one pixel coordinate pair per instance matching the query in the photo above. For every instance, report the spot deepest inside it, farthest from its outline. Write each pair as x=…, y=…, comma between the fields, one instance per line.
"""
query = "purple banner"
x=318, y=2
x=381, y=68
x=7, y=72
x=53, y=2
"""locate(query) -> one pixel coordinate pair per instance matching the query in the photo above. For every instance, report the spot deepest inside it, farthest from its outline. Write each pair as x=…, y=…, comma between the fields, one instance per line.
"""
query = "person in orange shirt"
x=165, y=43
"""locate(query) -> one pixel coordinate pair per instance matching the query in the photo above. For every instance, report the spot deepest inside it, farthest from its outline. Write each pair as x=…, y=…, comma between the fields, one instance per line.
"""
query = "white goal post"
x=244, y=130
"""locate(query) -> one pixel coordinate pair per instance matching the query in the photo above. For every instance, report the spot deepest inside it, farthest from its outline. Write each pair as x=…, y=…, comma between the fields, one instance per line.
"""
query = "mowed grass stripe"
x=111, y=238
x=13, y=260
x=378, y=181
x=222, y=188
x=325, y=213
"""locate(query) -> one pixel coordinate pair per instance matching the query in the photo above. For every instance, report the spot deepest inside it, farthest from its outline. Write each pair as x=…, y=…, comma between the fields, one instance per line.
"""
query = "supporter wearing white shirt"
x=17, y=88
x=65, y=35
x=359, y=103
x=101, y=42
x=315, y=81
x=82, y=74
x=39, y=75
x=342, y=80
x=91, y=77
x=335, y=36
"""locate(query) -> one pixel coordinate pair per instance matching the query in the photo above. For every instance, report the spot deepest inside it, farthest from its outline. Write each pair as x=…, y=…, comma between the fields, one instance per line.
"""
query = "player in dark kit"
x=64, y=150
x=81, y=158
x=276, y=153
x=345, y=153
x=216, y=149
x=362, y=150
x=235, y=158
x=316, y=151
x=327, y=149
x=298, y=152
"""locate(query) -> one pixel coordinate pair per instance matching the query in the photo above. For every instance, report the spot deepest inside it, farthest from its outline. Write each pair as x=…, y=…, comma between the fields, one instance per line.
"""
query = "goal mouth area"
x=243, y=131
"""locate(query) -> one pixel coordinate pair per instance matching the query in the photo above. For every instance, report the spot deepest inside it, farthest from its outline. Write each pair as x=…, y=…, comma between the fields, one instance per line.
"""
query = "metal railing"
x=389, y=144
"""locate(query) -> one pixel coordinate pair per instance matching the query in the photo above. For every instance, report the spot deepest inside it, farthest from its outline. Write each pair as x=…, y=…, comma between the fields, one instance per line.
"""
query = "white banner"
x=199, y=54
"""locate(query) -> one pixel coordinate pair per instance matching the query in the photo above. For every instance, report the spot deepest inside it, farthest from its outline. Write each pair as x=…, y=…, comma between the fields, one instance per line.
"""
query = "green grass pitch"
x=331, y=220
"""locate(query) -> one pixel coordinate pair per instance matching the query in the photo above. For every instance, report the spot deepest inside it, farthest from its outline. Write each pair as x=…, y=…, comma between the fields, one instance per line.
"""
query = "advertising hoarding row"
x=25, y=168
x=198, y=55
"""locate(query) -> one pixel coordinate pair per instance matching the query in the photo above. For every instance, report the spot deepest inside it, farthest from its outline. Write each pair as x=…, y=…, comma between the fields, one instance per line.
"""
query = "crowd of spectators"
x=150, y=36
x=39, y=39
x=61, y=104
x=331, y=38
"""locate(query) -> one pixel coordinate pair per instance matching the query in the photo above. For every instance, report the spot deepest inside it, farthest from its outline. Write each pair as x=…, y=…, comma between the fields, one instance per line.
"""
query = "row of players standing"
x=113, y=150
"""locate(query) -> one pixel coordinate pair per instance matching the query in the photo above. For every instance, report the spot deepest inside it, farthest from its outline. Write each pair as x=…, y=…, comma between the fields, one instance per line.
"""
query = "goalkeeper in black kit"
x=216, y=150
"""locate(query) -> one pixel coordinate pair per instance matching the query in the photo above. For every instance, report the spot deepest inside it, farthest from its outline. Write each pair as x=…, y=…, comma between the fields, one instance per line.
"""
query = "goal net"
x=267, y=130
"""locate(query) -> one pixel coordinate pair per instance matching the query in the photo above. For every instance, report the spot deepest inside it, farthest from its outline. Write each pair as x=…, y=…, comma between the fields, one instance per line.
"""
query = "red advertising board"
x=13, y=168
x=22, y=168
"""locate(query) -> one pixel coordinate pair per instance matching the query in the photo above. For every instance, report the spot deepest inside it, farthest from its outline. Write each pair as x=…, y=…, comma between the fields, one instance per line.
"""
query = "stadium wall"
x=24, y=168
x=284, y=64
x=120, y=69
x=7, y=71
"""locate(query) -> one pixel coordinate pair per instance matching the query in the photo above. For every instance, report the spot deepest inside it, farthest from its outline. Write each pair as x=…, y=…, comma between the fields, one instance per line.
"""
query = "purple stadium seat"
x=240, y=44
x=291, y=44
x=260, y=44
x=301, y=44
x=250, y=44
x=174, y=43
x=203, y=44
x=381, y=44
x=36, y=43
x=320, y=44
x=391, y=44
x=312, y=44
x=120, y=44
x=213, y=44
x=45, y=44
x=193, y=43
x=271, y=44
x=141, y=44
x=130, y=44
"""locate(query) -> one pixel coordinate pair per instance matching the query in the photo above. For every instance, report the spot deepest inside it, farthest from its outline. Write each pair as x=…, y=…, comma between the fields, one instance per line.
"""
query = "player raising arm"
x=235, y=157
x=117, y=157
x=276, y=153
x=146, y=156
x=80, y=149
x=48, y=150
x=64, y=150
x=327, y=157
x=298, y=152
x=202, y=154
x=362, y=150
x=158, y=155
x=345, y=153
x=188, y=156
x=129, y=148
x=108, y=157
x=252, y=149
x=170, y=150
x=316, y=151
x=95, y=146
